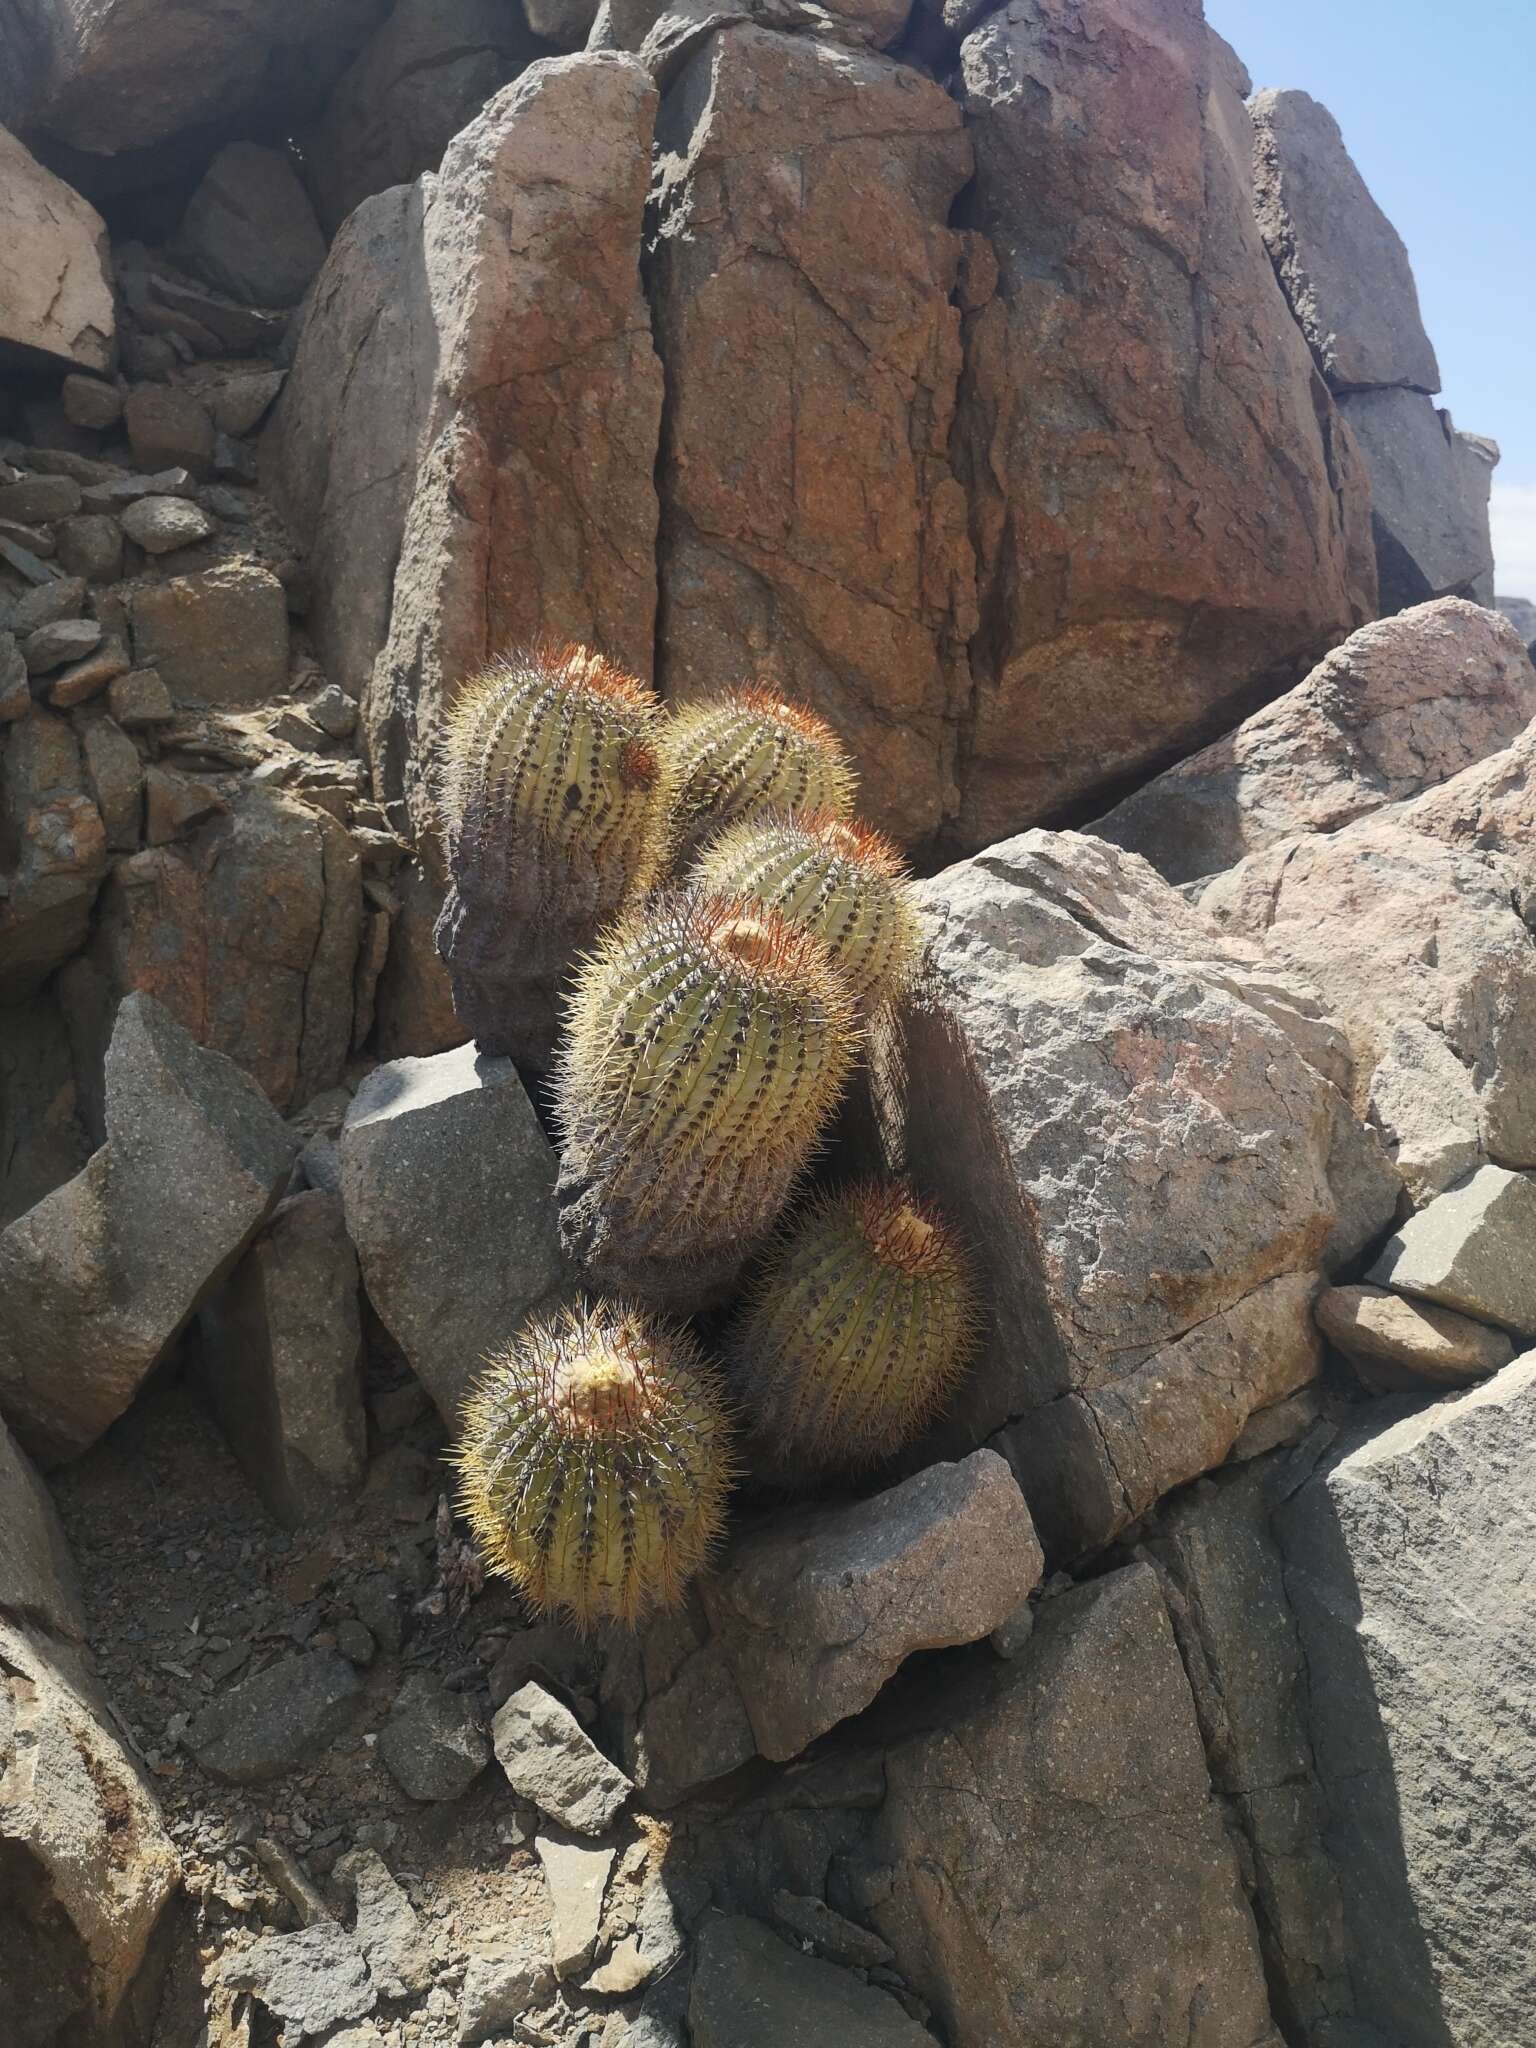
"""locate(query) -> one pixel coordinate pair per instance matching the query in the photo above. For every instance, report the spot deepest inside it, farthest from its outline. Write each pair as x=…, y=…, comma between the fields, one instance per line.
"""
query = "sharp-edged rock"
x=311, y=1980
x=554, y=1764
x=217, y=637
x=577, y=1875
x=503, y=1983
x=55, y=268
x=432, y=1742
x=250, y=230
x=392, y=1939
x=1401, y=1344
x=276, y=1721
x=1472, y=1249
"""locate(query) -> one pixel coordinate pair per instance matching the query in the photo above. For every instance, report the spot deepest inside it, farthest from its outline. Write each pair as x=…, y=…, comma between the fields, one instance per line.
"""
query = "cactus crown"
x=857, y=1332
x=596, y=1462
x=750, y=751
x=836, y=878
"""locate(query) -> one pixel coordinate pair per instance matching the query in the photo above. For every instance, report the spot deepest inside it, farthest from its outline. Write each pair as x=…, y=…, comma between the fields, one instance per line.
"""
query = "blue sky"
x=1438, y=107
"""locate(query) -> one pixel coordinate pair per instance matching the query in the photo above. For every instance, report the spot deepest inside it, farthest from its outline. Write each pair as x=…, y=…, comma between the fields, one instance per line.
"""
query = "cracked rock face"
x=55, y=267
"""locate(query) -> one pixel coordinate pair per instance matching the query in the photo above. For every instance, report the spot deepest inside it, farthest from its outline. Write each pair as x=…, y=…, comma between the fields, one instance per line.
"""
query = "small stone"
x=356, y=1643
x=47, y=605
x=1398, y=1343
x=550, y=1761
x=1473, y=1249
x=387, y=1929
x=577, y=1875
x=91, y=545
x=80, y=469
x=625, y=1971
x=241, y=403
x=52, y=647
x=140, y=698
x=119, y=491
x=175, y=804
x=89, y=403
x=38, y=498
x=227, y=502
x=116, y=779
x=503, y=1984
x=311, y=1979
x=161, y=525
x=1010, y=1638
x=83, y=680
x=334, y=712
x=168, y=428
x=278, y=1720
x=432, y=1742
x=234, y=462
x=15, y=691
x=840, y=1940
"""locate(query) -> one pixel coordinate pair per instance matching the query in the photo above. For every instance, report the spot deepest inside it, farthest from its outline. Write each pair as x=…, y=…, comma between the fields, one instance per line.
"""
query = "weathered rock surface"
x=817, y=1608
x=392, y=1939
x=433, y=1742
x=1405, y=1344
x=53, y=851
x=751, y=1990
x=446, y=1171
x=551, y=1762
x=1521, y=614
x=812, y=530
x=1170, y=525
x=44, y=1143
x=249, y=227
x=312, y=1979
x=577, y=1875
x=1340, y=260
x=1401, y=706
x=281, y=1351
x=276, y=1721
x=1472, y=1249
x=98, y=1279
x=217, y=637
x=500, y=1986
x=1027, y=1794
x=1430, y=525
x=55, y=267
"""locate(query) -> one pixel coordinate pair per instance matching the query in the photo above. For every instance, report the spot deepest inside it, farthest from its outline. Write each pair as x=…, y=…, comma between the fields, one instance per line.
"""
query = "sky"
x=1438, y=109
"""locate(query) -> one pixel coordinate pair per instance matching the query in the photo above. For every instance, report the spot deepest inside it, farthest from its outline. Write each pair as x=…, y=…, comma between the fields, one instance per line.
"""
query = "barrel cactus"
x=838, y=879
x=708, y=1043
x=747, y=752
x=857, y=1332
x=596, y=1462
x=554, y=806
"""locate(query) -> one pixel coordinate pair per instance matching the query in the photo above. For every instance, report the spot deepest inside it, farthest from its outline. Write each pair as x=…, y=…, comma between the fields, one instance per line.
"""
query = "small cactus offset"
x=751, y=751
x=857, y=1333
x=596, y=1463
x=708, y=1044
x=835, y=877
x=554, y=807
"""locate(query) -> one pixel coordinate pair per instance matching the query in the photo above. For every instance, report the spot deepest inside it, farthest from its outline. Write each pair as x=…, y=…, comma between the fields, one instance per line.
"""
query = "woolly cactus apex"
x=596, y=1463
x=708, y=1045
x=554, y=806
x=747, y=752
x=834, y=877
x=857, y=1333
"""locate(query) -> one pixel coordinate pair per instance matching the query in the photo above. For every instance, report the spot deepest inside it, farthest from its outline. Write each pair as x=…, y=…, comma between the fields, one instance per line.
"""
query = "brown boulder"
x=217, y=637
x=53, y=852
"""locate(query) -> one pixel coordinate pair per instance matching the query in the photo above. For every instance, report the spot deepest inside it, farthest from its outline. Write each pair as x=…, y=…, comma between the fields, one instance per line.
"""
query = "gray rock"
x=92, y=546
x=433, y=1742
x=1431, y=538
x=115, y=777
x=140, y=698
x=445, y=1171
x=217, y=637
x=241, y=402
x=113, y=493
x=15, y=691
x=312, y=1979
x=1401, y=1344
x=88, y=402
x=176, y=804
x=334, y=712
x=55, y=850
x=250, y=230
x=689, y=1723
x=1472, y=1249
x=45, y=606
x=838, y=1938
x=751, y=1990
x=551, y=1762
x=356, y=1643
x=577, y=1875
x=98, y=1279
x=161, y=525
x=38, y=498
x=168, y=427
x=50, y=647
x=1339, y=259
x=392, y=1939
x=1401, y=706
x=818, y=1607
x=281, y=1355
x=277, y=1721
x=554, y=1654
x=504, y=1983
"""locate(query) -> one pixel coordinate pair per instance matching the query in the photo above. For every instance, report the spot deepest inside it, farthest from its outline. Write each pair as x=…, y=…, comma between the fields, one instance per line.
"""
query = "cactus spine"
x=596, y=1463
x=708, y=1043
x=554, y=806
x=857, y=1332
x=838, y=879
x=747, y=752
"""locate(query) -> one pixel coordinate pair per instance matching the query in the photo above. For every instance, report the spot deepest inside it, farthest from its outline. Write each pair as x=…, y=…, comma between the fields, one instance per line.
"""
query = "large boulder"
x=53, y=852
x=1152, y=1188
x=249, y=228
x=1170, y=523
x=1430, y=487
x=1401, y=706
x=812, y=530
x=752, y=1990
x=55, y=268
x=99, y=1278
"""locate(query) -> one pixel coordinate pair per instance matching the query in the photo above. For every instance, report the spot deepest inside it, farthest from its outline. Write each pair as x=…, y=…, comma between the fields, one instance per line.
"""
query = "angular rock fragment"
x=751, y=1990
x=55, y=267
x=392, y=1939
x=250, y=230
x=502, y=1984
x=53, y=851
x=551, y=1762
x=278, y=1720
x=577, y=1875
x=433, y=1742
x=219, y=637
x=1472, y=1249
x=1402, y=1344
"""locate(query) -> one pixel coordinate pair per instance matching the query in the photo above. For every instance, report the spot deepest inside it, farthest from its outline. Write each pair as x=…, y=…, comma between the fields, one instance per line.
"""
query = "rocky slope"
x=1059, y=424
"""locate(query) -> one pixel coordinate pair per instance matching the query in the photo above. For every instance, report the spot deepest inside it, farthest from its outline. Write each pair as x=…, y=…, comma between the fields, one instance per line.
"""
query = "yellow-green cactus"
x=554, y=806
x=708, y=1043
x=857, y=1332
x=731, y=757
x=596, y=1463
x=837, y=878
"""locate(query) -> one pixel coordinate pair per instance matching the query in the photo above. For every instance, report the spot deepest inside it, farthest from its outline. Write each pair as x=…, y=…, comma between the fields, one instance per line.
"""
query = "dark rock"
x=839, y=1940
x=115, y=777
x=750, y=1990
x=278, y=1721
x=68, y=640
x=38, y=498
x=168, y=428
x=250, y=230
x=53, y=851
x=92, y=546
x=433, y=1742
x=90, y=403
x=140, y=698
x=176, y=804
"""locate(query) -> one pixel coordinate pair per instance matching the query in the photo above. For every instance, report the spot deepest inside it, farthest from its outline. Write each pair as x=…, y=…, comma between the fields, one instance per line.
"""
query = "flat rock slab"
x=311, y=1979
x=391, y=1937
x=503, y=1984
x=752, y=1990
x=1473, y=1249
x=1397, y=1343
x=1431, y=535
x=55, y=265
x=577, y=1875
x=276, y=1721
x=551, y=1761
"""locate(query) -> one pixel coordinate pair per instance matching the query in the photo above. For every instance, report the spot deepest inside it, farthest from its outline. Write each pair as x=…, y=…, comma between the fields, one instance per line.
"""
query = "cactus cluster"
x=595, y=1464
x=745, y=753
x=554, y=803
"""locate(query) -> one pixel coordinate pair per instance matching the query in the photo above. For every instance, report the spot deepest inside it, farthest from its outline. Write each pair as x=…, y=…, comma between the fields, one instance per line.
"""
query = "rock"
x=750, y=1990
x=1158, y=1280
x=550, y=1651
x=1407, y=1559
x=92, y=546
x=1472, y=1249
x=356, y=1643
x=90, y=403
x=577, y=1875
x=1340, y=261
x=98, y=1279
x=176, y=804
x=565, y=23
x=15, y=691
x=168, y=428
x=44, y=1142
x=1401, y=706
x=686, y=1723
x=1431, y=535
x=1521, y=614
x=414, y=1002
x=392, y=1939
x=250, y=230
x=839, y=1940
x=501, y=1986
x=161, y=525
x=818, y=1607
x=53, y=851
x=38, y=498
x=115, y=777
x=445, y=1170
x=241, y=402
x=1474, y=458
x=67, y=640
x=56, y=269
x=81, y=680
x=140, y=698
x=282, y=1356
x=277, y=1721
x=1404, y=1344
x=311, y=1979
x=112, y=494
x=424, y=76
x=1214, y=543
x=334, y=712
x=550, y=1762
x=47, y=605
x=217, y=637
x=865, y=617
x=432, y=1742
